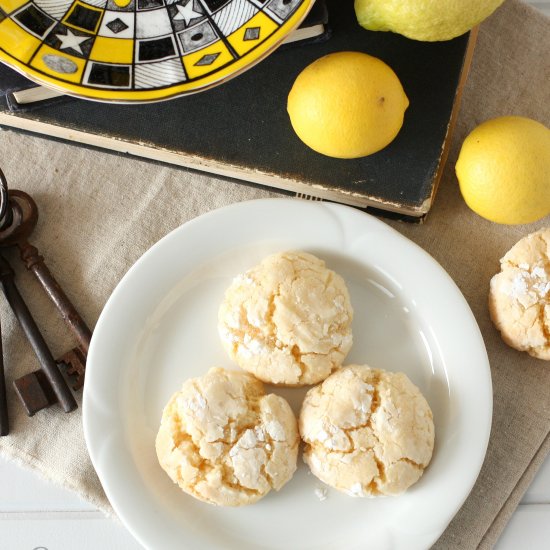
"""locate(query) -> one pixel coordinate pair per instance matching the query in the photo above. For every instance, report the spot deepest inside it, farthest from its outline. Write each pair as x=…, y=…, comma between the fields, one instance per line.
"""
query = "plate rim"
x=239, y=209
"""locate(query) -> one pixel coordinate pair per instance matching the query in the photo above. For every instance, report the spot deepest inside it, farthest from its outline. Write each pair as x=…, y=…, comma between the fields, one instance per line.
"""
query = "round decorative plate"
x=160, y=327
x=141, y=50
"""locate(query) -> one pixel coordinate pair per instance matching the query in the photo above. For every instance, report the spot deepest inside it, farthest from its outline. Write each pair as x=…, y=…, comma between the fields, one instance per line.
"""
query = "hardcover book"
x=241, y=130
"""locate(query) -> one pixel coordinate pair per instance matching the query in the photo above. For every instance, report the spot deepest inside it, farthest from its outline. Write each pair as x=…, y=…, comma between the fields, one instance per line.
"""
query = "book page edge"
x=148, y=151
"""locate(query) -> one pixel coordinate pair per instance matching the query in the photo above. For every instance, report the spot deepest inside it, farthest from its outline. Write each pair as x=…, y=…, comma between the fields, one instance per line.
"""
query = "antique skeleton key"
x=25, y=217
x=49, y=367
x=4, y=420
x=5, y=221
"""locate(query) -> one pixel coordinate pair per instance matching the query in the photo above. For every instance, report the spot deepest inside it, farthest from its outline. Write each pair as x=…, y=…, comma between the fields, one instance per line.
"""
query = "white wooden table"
x=36, y=515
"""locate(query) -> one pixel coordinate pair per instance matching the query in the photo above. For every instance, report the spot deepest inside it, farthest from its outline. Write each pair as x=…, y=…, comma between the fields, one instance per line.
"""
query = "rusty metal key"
x=4, y=420
x=34, y=388
x=25, y=217
x=49, y=366
x=5, y=220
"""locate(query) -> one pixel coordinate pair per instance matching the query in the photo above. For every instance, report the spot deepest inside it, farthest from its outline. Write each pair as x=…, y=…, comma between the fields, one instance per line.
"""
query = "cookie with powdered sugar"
x=519, y=296
x=224, y=441
x=367, y=432
x=287, y=320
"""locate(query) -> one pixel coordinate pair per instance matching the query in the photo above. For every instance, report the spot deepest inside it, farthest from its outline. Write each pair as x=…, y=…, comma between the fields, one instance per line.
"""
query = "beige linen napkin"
x=100, y=212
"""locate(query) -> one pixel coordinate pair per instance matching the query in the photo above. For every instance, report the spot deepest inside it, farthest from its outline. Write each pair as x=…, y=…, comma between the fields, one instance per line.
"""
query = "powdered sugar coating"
x=287, y=320
x=519, y=296
x=367, y=432
x=223, y=441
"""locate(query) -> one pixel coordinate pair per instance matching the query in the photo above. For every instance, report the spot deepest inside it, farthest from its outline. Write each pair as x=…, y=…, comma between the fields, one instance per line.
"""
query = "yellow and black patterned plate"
x=141, y=50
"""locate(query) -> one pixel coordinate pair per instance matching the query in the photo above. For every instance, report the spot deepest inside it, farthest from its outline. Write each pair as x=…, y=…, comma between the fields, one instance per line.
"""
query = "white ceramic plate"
x=159, y=328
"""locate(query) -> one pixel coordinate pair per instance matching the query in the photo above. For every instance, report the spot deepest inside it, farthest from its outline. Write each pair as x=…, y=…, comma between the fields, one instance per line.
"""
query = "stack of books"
x=241, y=130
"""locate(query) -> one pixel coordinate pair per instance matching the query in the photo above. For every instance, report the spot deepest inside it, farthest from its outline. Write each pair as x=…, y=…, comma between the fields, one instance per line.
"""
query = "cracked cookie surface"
x=225, y=442
x=519, y=296
x=367, y=432
x=287, y=320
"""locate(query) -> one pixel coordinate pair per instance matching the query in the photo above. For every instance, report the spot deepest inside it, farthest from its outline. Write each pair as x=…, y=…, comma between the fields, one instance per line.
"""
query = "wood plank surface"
x=38, y=515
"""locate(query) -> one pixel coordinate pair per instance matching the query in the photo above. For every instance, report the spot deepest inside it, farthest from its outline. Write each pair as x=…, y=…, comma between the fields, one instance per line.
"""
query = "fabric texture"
x=100, y=212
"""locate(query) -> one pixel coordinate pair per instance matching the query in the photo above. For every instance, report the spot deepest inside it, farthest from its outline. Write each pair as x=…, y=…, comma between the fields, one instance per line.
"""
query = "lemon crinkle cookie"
x=519, y=296
x=287, y=320
x=367, y=432
x=225, y=442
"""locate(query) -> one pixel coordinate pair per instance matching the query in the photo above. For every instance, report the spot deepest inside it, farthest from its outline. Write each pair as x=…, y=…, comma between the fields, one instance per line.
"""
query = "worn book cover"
x=241, y=130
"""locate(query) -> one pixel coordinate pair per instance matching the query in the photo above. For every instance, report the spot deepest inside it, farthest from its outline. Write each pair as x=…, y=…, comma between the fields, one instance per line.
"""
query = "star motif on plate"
x=70, y=40
x=186, y=13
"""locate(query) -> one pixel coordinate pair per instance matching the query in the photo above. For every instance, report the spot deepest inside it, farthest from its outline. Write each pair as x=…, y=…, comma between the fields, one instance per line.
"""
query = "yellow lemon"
x=347, y=105
x=504, y=170
x=427, y=20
